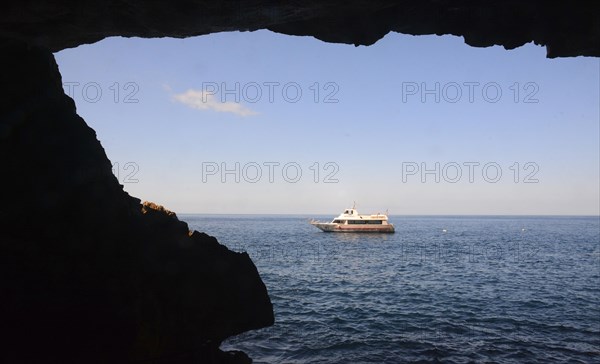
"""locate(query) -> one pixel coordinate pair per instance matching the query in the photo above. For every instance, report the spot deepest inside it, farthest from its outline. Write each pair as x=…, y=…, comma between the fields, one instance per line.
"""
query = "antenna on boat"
x=354, y=205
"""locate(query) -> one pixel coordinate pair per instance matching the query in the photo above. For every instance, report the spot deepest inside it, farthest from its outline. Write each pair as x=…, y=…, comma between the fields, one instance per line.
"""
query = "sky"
x=264, y=123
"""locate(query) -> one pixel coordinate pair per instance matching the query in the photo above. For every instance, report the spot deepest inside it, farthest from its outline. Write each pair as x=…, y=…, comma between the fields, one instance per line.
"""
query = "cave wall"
x=88, y=273
x=565, y=28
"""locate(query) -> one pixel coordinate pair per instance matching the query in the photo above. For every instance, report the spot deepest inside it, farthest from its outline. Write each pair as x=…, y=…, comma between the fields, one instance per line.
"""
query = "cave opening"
x=255, y=122
x=483, y=154
x=248, y=125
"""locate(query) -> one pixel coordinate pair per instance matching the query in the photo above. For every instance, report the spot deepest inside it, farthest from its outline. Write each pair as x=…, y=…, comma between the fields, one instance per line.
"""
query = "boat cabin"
x=357, y=222
x=351, y=212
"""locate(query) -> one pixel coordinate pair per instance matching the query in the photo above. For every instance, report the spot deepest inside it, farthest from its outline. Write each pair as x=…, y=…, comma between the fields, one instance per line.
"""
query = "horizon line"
x=449, y=215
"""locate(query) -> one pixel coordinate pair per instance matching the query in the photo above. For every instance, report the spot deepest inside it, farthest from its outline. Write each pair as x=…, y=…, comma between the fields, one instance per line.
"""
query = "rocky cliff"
x=565, y=28
x=88, y=274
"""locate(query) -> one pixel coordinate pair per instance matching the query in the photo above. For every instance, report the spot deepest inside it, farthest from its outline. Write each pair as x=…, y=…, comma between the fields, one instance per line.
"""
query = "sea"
x=447, y=289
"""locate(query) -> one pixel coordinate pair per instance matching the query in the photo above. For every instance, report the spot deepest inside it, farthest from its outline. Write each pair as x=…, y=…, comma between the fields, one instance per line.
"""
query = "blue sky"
x=183, y=119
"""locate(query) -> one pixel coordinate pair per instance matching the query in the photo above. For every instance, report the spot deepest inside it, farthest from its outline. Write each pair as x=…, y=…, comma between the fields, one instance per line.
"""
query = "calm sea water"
x=488, y=289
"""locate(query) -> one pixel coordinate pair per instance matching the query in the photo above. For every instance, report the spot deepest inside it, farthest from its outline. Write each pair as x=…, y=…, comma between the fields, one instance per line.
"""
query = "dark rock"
x=565, y=28
x=88, y=274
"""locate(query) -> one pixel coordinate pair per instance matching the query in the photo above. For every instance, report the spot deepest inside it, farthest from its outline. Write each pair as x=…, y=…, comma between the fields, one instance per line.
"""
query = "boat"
x=350, y=221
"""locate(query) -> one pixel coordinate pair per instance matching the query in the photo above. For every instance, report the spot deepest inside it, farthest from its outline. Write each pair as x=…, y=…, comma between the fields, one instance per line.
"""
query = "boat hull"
x=340, y=228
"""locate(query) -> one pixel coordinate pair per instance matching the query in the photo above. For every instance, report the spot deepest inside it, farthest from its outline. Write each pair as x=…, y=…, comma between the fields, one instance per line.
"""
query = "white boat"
x=350, y=221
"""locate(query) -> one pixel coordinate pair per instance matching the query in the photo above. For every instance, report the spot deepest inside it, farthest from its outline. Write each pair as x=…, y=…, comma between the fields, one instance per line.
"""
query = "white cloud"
x=205, y=101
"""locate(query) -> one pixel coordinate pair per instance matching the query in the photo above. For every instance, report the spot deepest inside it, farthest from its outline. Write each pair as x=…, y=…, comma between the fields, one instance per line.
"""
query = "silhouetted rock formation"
x=566, y=28
x=88, y=274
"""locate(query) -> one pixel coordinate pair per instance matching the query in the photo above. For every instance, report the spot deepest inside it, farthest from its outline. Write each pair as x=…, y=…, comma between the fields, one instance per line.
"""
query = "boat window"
x=375, y=222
